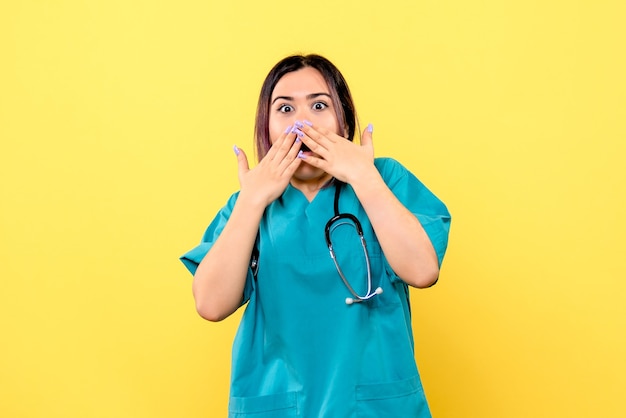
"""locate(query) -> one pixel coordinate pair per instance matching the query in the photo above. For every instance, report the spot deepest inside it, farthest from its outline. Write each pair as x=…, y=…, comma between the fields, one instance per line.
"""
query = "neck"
x=310, y=187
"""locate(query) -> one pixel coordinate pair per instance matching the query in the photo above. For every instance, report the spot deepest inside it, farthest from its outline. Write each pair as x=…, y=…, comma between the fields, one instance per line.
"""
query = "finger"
x=292, y=163
x=330, y=135
x=366, y=137
x=320, y=135
x=288, y=159
x=282, y=144
x=242, y=161
x=295, y=147
x=314, y=161
x=316, y=142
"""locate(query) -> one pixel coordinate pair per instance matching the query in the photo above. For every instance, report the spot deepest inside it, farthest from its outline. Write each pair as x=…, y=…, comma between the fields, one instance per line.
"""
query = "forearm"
x=219, y=281
x=402, y=238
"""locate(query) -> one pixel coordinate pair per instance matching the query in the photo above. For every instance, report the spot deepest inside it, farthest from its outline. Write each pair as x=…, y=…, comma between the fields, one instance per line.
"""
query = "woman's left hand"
x=339, y=157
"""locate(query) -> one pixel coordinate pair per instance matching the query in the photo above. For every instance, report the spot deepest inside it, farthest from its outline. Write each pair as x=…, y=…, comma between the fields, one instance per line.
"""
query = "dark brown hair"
x=339, y=92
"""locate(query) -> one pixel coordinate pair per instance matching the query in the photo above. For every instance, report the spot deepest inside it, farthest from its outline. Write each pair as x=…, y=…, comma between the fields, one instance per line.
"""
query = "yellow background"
x=117, y=120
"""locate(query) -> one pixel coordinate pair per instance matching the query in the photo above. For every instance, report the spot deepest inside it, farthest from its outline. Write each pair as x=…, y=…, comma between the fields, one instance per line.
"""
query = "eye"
x=285, y=108
x=319, y=106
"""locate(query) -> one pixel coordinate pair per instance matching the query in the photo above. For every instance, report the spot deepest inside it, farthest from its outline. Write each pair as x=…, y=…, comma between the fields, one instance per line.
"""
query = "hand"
x=269, y=179
x=339, y=157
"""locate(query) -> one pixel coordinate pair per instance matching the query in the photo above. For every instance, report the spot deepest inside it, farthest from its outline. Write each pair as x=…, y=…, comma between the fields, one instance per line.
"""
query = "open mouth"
x=304, y=148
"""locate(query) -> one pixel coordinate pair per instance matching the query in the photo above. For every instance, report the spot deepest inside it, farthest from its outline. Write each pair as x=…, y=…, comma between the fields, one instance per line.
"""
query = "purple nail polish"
x=306, y=122
x=298, y=132
x=370, y=128
x=236, y=150
x=288, y=129
x=301, y=155
x=298, y=124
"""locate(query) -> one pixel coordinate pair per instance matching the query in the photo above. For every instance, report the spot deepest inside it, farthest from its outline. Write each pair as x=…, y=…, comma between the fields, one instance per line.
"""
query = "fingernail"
x=298, y=132
x=301, y=155
x=288, y=129
x=306, y=122
x=370, y=128
x=298, y=124
x=236, y=150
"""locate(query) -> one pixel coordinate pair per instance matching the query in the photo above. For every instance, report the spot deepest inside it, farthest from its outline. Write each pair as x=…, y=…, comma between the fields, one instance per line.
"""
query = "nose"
x=302, y=114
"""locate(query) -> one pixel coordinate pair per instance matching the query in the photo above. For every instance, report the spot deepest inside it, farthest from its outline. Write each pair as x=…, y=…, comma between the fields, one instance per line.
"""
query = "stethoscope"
x=342, y=219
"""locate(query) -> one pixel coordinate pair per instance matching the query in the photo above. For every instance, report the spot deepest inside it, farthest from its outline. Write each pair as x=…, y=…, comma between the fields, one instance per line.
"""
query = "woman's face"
x=298, y=96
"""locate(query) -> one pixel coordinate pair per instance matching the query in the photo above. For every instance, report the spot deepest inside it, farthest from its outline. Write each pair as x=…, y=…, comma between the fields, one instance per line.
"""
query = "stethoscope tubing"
x=330, y=226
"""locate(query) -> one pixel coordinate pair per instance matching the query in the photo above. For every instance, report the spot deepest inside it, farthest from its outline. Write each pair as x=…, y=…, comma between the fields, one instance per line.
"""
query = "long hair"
x=339, y=92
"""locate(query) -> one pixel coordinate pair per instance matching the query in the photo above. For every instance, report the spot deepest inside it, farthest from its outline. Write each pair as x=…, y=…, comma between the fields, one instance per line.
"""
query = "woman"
x=325, y=333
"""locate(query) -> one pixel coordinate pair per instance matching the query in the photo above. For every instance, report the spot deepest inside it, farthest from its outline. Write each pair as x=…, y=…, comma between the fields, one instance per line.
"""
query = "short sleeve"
x=192, y=258
x=419, y=200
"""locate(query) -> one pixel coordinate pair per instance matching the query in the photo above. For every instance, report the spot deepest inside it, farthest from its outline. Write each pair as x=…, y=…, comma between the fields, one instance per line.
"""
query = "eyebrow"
x=308, y=97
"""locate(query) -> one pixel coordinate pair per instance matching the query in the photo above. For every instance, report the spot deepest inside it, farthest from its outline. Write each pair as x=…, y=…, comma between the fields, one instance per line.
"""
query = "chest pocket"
x=281, y=405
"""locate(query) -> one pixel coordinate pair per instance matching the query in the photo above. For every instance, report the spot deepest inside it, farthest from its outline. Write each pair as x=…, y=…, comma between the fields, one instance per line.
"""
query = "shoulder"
x=227, y=208
x=221, y=217
x=401, y=180
x=389, y=165
x=390, y=169
x=231, y=200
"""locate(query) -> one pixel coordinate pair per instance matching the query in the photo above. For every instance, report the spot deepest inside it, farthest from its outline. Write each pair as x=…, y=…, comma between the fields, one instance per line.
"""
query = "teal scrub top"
x=300, y=350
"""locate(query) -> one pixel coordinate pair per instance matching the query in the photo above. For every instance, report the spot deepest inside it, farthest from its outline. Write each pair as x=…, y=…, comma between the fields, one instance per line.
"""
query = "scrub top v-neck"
x=300, y=350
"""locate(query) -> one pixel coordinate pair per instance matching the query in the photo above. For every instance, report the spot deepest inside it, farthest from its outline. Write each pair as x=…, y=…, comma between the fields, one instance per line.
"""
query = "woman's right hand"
x=220, y=279
x=268, y=180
